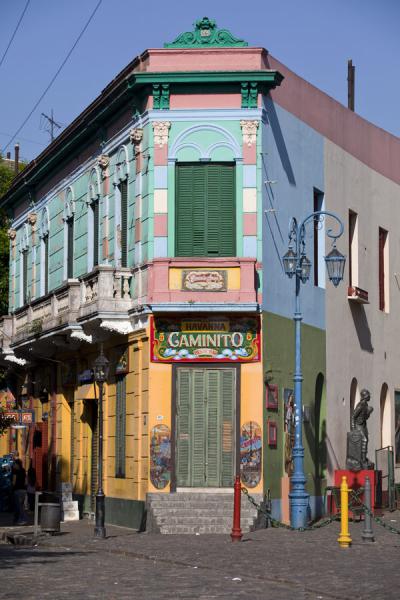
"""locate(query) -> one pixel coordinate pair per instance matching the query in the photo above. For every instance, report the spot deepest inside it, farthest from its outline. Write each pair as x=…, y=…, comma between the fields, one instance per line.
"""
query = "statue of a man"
x=359, y=419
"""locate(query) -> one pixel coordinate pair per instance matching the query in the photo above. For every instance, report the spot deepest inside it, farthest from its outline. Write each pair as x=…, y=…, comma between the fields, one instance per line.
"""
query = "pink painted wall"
x=198, y=101
x=373, y=146
x=207, y=59
x=158, y=280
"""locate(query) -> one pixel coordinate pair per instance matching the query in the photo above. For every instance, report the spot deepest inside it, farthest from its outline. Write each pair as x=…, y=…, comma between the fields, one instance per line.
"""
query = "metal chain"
x=276, y=523
x=378, y=520
x=355, y=503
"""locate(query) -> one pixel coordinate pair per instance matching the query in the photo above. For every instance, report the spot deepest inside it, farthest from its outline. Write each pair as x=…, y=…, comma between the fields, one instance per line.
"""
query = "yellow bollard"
x=344, y=538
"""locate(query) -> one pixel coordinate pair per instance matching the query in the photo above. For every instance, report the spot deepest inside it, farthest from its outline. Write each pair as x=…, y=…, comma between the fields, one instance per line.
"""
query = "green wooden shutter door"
x=205, y=210
x=228, y=425
x=183, y=428
x=124, y=223
x=220, y=222
x=198, y=433
x=213, y=441
x=95, y=208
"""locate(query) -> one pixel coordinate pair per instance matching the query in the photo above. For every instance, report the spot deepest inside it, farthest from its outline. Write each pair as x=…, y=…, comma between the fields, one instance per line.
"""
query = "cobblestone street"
x=271, y=564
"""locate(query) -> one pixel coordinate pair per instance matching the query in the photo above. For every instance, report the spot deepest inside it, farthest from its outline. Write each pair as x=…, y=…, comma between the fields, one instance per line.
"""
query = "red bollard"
x=236, y=533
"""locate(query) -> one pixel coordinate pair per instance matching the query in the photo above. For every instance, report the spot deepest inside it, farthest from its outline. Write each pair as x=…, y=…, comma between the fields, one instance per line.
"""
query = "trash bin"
x=50, y=517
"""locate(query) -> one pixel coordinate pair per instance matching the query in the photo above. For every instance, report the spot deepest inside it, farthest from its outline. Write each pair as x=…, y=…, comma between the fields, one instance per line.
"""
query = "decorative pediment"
x=206, y=33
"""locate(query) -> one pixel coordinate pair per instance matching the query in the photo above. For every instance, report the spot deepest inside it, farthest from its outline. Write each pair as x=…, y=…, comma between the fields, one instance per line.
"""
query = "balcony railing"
x=105, y=290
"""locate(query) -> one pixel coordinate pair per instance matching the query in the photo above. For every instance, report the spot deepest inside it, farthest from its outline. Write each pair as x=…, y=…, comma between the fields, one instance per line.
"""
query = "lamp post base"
x=299, y=504
x=99, y=528
x=99, y=532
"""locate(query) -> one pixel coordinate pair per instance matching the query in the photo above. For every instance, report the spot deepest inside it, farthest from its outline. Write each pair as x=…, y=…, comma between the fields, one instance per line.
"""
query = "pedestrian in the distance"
x=31, y=486
x=19, y=492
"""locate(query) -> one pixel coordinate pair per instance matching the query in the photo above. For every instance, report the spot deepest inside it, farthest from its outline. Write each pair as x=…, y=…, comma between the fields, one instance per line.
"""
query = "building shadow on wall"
x=315, y=431
x=362, y=328
x=279, y=139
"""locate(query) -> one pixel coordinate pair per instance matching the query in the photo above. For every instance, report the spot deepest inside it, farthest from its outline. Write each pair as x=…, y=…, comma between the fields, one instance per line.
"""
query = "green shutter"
x=183, y=427
x=228, y=389
x=205, y=427
x=220, y=223
x=120, y=426
x=123, y=187
x=46, y=263
x=25, y=276
x=70, y=250
x=205, y=210
x=213, y=438
x=95, y=208
x=198, y=433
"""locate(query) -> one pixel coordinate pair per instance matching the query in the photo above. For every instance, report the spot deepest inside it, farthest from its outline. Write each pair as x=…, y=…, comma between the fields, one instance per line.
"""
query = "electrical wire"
x=55, y=76
x=15, y=31
x=23, y=139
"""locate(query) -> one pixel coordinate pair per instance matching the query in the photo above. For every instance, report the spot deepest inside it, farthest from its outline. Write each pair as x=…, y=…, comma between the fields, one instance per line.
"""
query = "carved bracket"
x=249, y=130
x=249, y=93
x=161, y=96
x=103, y=162
x=161, y=129
x=136, y=136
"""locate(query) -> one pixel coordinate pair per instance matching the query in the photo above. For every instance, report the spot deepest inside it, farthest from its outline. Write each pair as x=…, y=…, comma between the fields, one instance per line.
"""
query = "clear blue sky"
x=312, y=37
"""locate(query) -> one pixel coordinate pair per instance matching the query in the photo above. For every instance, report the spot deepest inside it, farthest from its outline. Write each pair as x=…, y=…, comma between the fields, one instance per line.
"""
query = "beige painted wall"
x=362, y=341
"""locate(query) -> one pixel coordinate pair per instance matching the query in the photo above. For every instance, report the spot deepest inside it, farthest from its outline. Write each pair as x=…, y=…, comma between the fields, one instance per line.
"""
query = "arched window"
x=386, y=417
x=44, y=251
x=68, y=216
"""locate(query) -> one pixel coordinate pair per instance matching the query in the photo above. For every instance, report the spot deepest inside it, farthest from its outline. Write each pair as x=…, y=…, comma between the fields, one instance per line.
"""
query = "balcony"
x=197, y=282
x=103, y=292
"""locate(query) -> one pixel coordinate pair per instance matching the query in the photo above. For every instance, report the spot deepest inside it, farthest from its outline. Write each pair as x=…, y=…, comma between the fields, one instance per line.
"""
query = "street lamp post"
x=100, y=373
x=296, y=263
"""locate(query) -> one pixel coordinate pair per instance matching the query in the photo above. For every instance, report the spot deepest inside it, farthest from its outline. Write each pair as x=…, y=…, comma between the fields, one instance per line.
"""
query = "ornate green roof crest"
x=206, y=34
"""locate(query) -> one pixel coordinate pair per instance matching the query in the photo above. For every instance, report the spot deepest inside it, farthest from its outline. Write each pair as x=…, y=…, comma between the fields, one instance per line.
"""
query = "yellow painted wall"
x=160, y=405
x=251, y=408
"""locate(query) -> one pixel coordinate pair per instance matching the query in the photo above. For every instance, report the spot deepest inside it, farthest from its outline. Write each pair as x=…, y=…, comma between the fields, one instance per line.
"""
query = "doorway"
x=205, y=426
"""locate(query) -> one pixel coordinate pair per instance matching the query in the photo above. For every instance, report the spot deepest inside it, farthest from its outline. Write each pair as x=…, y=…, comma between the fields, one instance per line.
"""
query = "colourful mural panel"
x=160, y=456
x=250, y=454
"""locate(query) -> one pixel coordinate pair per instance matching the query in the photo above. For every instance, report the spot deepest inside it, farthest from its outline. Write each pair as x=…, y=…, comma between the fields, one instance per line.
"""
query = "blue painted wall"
x=293, y=157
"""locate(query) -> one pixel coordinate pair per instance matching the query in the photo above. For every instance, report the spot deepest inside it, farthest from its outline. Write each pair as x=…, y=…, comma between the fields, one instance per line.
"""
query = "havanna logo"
x=205, y=340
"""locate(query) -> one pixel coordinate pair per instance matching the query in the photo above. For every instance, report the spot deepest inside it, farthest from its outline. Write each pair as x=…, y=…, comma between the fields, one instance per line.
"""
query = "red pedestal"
x=356, y=479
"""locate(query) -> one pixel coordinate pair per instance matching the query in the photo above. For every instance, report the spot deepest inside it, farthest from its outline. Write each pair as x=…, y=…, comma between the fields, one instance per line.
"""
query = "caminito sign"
x=205, y=339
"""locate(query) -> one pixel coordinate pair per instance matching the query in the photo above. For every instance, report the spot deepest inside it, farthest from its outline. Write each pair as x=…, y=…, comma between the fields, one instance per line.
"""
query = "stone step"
x=201, y=520
x=201, y=529
x=197, y=512
x=195, y=502
x=246, y=514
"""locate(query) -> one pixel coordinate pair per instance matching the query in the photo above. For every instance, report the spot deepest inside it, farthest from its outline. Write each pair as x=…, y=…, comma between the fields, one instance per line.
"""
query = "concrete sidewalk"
x=269, y=563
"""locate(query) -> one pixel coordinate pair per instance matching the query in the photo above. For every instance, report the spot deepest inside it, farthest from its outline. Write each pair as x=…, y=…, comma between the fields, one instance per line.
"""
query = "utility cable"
x=55, y=76
x=15, y=31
